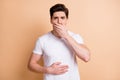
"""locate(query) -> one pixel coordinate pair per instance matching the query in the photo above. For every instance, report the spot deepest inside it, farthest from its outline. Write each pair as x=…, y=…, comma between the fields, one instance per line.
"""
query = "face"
x=59, y=18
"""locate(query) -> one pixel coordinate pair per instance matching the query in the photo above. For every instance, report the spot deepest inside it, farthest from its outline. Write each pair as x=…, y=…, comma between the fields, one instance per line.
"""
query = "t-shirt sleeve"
x=78, y=39
x=38, y=48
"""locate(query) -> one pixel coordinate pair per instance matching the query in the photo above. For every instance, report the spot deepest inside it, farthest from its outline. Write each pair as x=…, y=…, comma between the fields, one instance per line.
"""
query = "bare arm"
x=33, y=64
x=79, y=49
x=55, y=68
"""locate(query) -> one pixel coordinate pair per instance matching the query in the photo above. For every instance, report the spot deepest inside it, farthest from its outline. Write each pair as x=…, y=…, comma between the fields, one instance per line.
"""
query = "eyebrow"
x=60, y=17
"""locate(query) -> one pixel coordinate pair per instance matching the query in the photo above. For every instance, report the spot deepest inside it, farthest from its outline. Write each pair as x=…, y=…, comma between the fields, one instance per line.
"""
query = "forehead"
x=59, y=14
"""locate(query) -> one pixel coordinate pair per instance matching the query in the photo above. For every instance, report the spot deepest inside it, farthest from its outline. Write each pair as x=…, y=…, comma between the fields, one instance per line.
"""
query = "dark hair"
x=59, y=7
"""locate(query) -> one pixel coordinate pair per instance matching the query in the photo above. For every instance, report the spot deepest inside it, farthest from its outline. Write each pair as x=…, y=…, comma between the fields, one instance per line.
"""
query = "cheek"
x=65, y=22
x=53, y=21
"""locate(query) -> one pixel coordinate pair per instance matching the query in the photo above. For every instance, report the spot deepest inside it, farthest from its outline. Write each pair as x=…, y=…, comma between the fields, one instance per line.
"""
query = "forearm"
x=54, y=69
x=78, y=49
x=37, y=68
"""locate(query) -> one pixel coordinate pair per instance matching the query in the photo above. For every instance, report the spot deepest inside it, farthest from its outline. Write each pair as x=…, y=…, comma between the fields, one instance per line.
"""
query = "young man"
x=59, y=49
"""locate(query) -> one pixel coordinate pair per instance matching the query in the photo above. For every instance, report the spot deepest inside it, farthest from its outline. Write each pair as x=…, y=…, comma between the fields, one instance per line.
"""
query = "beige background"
x=23, y=21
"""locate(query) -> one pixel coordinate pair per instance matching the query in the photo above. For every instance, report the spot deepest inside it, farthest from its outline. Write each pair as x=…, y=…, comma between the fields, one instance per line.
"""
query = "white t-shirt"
x=54, y=50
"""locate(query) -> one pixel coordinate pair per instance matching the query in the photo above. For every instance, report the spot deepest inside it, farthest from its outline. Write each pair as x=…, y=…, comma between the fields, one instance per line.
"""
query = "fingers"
x=63, y=66
x=58, y=25
x=57, y=63
x=57, y=68
x=59, y=28
x=61, y=71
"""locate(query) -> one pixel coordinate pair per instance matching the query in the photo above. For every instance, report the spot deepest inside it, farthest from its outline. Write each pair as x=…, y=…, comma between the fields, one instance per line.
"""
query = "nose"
x=59, y=21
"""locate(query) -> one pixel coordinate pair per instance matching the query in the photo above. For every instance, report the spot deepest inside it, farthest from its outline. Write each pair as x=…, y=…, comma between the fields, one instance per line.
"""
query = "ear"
x=66, y=21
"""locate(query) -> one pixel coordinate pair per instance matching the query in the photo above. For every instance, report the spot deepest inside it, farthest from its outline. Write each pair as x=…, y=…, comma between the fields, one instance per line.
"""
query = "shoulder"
x=44, y=38
x=77, y=37
x=73, y=34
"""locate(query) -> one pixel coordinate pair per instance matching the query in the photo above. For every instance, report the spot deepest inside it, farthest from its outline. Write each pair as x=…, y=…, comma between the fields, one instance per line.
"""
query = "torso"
x=55, y=50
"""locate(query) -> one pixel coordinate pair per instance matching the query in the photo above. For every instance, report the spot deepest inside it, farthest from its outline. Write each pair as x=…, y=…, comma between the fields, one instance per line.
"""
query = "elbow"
x=29, y=66
x=87, y=57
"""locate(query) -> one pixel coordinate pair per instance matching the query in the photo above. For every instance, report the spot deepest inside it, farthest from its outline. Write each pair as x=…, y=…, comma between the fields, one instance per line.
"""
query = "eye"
x=62, y=17
x=55, y=17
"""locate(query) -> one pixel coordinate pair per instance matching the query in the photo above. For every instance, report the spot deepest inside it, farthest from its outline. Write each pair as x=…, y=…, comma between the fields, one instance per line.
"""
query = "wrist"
x=66, y=37
x=46, y=70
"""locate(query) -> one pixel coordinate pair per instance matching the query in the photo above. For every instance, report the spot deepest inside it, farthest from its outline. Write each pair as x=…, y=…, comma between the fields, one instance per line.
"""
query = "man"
x=59, y=49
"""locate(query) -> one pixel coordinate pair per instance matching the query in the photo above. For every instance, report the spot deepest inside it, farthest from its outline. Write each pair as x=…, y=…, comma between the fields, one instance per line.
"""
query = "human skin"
x=59, y=24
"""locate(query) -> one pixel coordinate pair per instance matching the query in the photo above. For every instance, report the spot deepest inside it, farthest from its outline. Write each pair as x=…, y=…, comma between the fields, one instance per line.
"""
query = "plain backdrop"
x=23, y=21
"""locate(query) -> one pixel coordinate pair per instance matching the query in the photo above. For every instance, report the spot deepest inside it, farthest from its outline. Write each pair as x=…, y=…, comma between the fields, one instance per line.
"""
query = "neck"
x=54, y=33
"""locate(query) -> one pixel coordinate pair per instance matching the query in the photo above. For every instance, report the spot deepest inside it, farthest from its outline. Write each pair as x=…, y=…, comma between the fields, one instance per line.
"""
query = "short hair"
x=59, y=7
